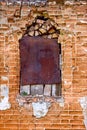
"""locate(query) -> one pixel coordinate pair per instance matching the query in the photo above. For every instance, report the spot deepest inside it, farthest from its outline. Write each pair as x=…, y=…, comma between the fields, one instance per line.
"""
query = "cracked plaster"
x=40, y=103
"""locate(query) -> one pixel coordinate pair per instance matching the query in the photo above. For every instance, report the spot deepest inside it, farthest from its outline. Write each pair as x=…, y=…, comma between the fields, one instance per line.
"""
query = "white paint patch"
x=85, y=122
x=61, y=102
x=5, y=78
x=82, y=21
x=4, y=103
x=83, y=2
x=67, y=83
x=85, y=49
x=40, y=109
x=83, y=103
x=70, y=35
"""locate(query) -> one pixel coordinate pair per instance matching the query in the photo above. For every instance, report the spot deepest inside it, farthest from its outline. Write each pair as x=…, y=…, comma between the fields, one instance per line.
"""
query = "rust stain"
x=39, y=59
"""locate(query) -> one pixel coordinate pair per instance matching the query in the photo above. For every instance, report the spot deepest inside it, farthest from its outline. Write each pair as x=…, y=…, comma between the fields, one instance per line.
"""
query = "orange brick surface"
x=72, y=22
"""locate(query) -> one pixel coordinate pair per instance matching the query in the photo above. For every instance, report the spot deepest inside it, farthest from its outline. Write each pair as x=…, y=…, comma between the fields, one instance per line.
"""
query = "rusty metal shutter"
x=39, y=61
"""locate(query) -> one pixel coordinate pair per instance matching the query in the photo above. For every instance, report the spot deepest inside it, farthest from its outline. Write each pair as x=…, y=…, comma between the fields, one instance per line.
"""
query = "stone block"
x=37, y=89
x=31, y=33
x=25, y=89
x=47, y=90
x=85, y=122
x=56, y=90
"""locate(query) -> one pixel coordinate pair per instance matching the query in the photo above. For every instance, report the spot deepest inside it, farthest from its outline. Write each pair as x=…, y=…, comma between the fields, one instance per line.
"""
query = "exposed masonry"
x=39, y=103
x=40, y=96
x=4, y=97
x=83, y=103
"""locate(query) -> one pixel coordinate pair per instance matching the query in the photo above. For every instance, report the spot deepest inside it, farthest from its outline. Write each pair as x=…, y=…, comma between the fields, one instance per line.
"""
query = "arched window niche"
x=40, y=61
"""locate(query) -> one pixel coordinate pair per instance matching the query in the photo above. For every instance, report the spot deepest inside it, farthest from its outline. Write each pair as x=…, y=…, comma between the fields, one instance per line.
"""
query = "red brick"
x=73, y=38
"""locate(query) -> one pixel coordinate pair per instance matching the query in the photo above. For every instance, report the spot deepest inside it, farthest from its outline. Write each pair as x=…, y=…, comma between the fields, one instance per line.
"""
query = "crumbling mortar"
x=40, y=103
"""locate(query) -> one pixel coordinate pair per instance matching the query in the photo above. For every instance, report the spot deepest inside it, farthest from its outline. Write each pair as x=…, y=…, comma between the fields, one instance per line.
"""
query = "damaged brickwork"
x=71, y=18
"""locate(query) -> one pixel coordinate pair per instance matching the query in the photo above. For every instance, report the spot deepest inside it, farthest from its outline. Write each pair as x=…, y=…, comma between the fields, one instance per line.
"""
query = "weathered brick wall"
x=72, y=21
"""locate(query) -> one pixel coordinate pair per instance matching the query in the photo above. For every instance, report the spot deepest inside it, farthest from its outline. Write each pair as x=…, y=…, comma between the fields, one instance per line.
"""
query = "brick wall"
x=72, y=21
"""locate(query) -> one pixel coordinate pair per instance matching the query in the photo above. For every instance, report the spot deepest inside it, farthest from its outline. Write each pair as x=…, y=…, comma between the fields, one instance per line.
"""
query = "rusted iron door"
x=39, y=61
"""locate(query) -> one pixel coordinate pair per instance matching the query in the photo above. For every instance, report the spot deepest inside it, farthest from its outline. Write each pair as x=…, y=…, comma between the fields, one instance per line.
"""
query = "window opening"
x=40, y=34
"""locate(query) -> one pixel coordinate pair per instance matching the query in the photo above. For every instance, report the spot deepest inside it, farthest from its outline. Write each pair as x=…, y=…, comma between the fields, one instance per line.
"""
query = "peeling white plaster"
x=9, y=3
x=4, y=78
x=67, y=83
x=83, y=103
x=4, y=103
x=18, y=2
x=83, y=2
x=54, y=90
x=61, y=102
x=70, y=35
x=68, y=25
x=82, y=21
x=54, y=3
x=40, y=109
x=85, y=122
x=20, y=100
x=84, y=49
x=68, y=2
